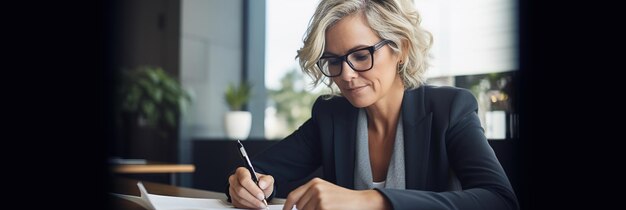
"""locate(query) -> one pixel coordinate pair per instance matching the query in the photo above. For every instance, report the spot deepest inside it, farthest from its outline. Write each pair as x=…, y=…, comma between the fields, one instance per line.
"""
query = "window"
x=475, y=47
x=290, y=95
x=471, y=36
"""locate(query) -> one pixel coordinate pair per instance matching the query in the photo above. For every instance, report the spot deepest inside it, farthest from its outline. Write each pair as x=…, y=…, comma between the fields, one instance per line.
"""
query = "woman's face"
x=362, y=89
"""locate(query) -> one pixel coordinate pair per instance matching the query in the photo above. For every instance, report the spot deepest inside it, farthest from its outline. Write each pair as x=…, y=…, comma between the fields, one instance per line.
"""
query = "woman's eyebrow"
x=329, y=54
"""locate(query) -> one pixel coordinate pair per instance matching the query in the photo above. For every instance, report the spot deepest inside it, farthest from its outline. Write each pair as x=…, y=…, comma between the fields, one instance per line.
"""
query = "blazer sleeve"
x=484, y=183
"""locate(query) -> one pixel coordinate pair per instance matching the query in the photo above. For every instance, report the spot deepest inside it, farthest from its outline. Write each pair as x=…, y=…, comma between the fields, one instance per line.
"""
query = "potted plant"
x=237, y=122
x=152, y=98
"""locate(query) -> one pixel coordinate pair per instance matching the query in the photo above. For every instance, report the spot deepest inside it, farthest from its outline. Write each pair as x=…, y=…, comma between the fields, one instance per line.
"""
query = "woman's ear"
x=403, y=56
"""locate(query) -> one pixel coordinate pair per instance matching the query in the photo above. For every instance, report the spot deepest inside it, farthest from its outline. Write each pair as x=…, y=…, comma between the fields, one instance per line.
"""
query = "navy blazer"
x=442, y=136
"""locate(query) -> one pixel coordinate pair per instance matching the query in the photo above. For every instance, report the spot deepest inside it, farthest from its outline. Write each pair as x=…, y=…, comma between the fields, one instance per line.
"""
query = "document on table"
x=162, y=202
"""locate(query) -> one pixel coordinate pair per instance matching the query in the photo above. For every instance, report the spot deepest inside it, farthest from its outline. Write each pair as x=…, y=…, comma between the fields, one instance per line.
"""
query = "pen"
x=244, y=156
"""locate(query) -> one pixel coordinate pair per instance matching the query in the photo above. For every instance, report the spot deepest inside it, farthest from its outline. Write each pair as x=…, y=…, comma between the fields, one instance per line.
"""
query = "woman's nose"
x=348, y=73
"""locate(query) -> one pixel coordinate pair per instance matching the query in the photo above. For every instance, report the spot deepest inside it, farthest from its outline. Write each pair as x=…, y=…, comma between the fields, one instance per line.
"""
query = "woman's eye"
x=334, y=61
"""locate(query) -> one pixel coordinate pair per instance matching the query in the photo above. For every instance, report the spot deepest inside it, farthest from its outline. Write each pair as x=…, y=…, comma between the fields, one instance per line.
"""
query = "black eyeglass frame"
x=343, y=58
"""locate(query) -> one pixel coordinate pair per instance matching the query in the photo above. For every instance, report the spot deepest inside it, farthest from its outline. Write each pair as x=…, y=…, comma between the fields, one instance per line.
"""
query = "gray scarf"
x=362, y=168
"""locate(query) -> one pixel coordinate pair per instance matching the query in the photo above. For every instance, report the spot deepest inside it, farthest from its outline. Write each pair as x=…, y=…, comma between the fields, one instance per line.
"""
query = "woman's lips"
x=355, y=89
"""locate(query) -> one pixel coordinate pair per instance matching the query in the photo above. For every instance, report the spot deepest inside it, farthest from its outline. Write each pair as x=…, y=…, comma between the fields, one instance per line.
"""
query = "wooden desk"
x=154, y=167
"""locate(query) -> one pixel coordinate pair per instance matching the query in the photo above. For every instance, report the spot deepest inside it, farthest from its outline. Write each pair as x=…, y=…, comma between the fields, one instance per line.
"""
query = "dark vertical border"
x=254, y=62
x=522, y=158
x=244, y=41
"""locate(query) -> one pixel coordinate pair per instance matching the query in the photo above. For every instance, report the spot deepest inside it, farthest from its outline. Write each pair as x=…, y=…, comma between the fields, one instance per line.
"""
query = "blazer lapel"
x=344, y=139
x=417, y=126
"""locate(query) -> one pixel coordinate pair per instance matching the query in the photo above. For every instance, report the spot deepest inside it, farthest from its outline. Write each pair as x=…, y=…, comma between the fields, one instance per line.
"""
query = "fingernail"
x=262, y=206
x=262, y=185
x=260, y=197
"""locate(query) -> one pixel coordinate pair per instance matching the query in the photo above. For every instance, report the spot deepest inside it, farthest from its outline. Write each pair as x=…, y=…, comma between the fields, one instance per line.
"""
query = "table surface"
x=153, y=167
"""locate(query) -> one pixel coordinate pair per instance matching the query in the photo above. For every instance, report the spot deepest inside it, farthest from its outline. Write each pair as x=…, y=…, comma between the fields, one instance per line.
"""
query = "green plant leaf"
x=237, y=96
x=170, y=118
x=149, y=92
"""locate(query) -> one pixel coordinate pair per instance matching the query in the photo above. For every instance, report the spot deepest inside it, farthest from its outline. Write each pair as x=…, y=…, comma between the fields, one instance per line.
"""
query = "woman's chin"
x=359, y=102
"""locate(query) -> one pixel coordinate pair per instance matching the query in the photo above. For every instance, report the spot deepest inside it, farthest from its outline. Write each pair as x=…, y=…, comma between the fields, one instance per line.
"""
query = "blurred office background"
x=206, y=45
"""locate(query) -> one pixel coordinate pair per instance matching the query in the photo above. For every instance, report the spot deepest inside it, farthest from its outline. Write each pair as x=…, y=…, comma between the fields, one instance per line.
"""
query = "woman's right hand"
x=244, y=193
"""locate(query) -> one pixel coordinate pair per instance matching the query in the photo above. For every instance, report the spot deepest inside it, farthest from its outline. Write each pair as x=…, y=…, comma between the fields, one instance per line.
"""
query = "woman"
x=388, y=141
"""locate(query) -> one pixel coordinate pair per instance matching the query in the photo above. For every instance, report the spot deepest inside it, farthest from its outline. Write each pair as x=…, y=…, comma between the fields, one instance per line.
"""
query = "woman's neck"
x=383, y=115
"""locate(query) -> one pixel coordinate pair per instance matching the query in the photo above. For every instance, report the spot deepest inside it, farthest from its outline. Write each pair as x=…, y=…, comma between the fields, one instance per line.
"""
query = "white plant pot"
x=237, y=124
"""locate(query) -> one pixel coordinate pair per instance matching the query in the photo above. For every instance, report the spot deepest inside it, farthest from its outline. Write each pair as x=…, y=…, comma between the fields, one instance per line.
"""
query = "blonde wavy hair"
x=395, y=20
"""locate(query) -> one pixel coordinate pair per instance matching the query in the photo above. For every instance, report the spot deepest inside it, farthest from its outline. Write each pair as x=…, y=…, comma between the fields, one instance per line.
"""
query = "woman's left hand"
x=320, y=194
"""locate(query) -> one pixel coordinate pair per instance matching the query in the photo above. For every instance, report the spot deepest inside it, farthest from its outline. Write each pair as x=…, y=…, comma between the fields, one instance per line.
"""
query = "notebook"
x=163, y=202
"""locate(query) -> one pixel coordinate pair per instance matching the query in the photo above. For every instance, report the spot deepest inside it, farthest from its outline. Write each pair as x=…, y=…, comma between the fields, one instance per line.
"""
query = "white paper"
x=162, y=202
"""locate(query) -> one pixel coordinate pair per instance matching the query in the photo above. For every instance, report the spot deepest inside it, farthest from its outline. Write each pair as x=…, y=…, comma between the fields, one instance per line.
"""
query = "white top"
x=379, y=185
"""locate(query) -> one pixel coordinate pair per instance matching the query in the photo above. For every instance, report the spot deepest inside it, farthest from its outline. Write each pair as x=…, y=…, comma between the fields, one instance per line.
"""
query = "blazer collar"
x=417, y=126
x=413, y=107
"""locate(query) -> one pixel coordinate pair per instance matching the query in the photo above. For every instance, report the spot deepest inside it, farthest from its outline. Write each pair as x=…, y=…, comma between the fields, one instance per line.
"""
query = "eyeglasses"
x=359, y=60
